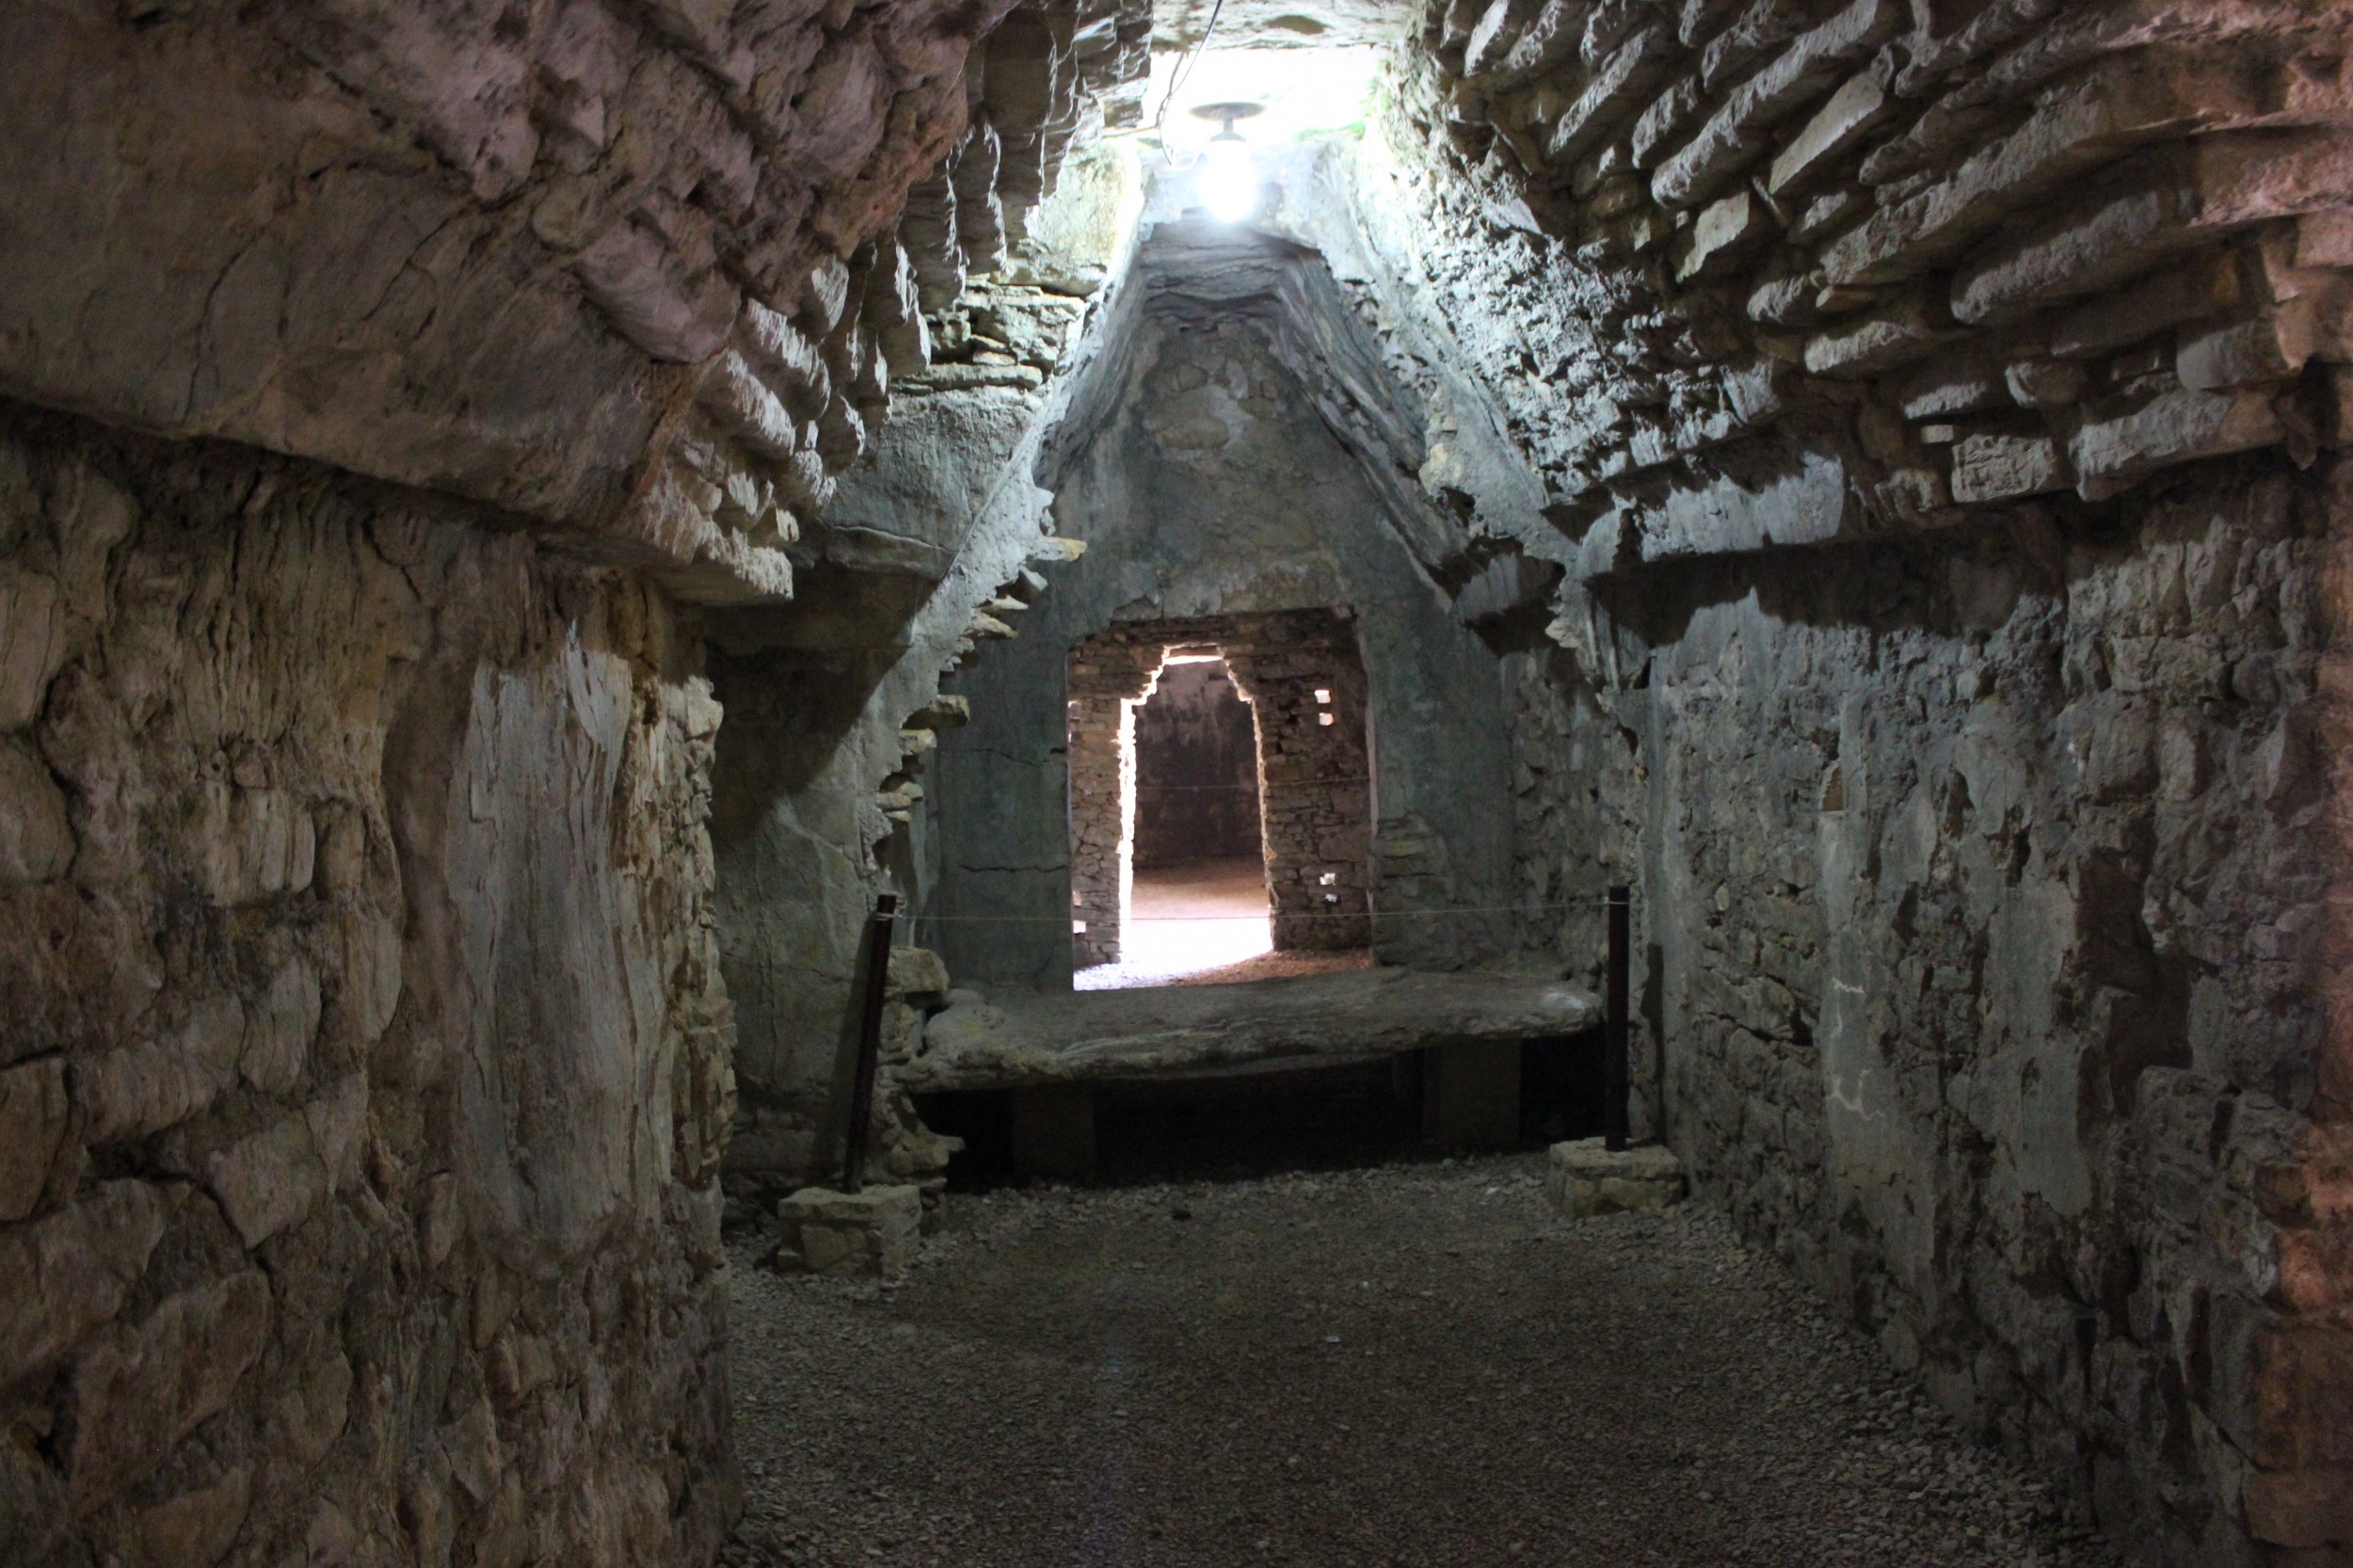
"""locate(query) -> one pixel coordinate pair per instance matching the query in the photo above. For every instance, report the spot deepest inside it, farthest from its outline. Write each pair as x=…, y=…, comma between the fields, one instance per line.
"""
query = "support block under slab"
x=1585, y=1178
x=1053, y=1130
x=871, y=1233
x=1470, y=1095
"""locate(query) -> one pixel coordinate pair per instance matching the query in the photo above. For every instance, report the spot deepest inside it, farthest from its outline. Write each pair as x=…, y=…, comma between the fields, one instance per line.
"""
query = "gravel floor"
x=1417, y=1365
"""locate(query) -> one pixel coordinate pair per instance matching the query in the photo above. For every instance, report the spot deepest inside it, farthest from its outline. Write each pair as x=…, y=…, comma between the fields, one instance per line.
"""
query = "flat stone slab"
x=1586, y=1178
x=869, y=1233
x=1191, y=1030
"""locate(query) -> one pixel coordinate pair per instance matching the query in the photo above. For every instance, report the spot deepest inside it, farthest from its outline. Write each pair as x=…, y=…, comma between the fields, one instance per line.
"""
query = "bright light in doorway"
x=1228, y=178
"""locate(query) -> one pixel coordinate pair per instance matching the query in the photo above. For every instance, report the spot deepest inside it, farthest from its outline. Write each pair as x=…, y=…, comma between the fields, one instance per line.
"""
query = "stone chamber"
x=519, y=522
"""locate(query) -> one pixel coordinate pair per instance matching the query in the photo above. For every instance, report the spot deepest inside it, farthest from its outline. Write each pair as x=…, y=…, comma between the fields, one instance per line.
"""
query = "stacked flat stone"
x=2060, y=245
x=645, y=265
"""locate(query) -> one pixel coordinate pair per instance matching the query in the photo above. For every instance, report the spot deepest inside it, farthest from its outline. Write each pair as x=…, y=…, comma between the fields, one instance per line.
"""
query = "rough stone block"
x=1997, y=466
x=1724, y=230
x=141, y=1390
x=1737, y=132
x=868, y=1234
x=68, y=1272
x=1586, y=1179
x=2300, y=1508
x=272, y=1180
x=2164, y=203
x=2110, y=455
x=1906, y=330
x=2073, y=133
x=36, y=840
x=2271, y=349
x=157, y=1083
x=32, y=643
x=1851, y=113
x=33, y=1113
x=1623, y=82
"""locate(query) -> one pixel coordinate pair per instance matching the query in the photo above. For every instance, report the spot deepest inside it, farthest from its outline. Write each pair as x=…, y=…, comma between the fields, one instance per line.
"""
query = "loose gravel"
x=1418, y=1366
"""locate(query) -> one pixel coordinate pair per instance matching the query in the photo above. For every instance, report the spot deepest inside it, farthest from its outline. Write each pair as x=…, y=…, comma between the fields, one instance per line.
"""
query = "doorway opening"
x=1220, y=800
x=1197, y=893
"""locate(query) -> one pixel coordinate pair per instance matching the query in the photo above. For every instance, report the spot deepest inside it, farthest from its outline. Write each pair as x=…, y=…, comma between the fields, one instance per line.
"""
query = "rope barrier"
x=1298, y=915
x=1285, y=783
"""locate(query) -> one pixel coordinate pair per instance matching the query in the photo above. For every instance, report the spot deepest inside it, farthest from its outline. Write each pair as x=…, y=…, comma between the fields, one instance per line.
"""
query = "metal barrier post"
x=877, y=962
x=1616, y=1020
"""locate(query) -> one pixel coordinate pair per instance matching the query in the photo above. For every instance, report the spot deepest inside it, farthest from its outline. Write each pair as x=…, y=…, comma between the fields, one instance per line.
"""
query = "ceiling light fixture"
x=1228, y=178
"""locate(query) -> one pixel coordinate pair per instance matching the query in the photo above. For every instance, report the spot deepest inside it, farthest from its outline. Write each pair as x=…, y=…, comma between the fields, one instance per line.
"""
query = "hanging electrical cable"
x=1176, y=79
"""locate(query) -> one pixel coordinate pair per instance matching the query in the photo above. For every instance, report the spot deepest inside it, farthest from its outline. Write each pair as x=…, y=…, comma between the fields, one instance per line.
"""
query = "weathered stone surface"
x=138, y=1390
x=1736, y=135
x=2162, y=205
x=36, y=840
x=2109, y=453
x=136, y=1090
x=1987, y=848
x=1852, y=113
x=871, y=1233
x=321, y=751
x=276, y=1178
x=1584, y=1178
x=2082, y=127
x=559, y=224
x=69, y=1271
x=1996, y=467
x=33, y=1118
x=1095, y=1035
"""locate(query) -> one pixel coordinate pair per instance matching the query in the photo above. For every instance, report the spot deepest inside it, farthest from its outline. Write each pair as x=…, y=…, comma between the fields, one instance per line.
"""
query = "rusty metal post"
x=876, y=958
x=1616, y=1020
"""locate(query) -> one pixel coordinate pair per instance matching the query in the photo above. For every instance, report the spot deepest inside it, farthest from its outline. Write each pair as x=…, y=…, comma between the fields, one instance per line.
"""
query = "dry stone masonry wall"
x=367, y=1066
x=929, y=550
x=1936, y=413
x=1307, y=685
x=360, y=1124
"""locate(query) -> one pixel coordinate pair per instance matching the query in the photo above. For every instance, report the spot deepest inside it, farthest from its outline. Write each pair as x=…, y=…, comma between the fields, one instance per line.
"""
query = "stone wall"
x=1894, y=614
x=1108, y=675
x=929, y=549
x=1967, y=253
x=368, y=1068
x=1304, y=680
x=1985, y=884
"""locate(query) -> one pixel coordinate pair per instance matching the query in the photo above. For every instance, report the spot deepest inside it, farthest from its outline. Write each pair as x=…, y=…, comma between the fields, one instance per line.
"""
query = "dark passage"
x=1196, y=767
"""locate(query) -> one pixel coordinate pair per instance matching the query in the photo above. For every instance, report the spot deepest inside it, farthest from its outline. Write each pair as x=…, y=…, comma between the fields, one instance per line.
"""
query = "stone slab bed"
x=1016, y=1041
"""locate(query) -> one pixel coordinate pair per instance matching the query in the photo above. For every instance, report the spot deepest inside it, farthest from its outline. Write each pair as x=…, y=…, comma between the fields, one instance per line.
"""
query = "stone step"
x=1017, y=1040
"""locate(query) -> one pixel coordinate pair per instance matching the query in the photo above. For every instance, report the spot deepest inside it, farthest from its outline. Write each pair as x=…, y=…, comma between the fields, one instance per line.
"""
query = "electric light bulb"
x=1228, y=181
